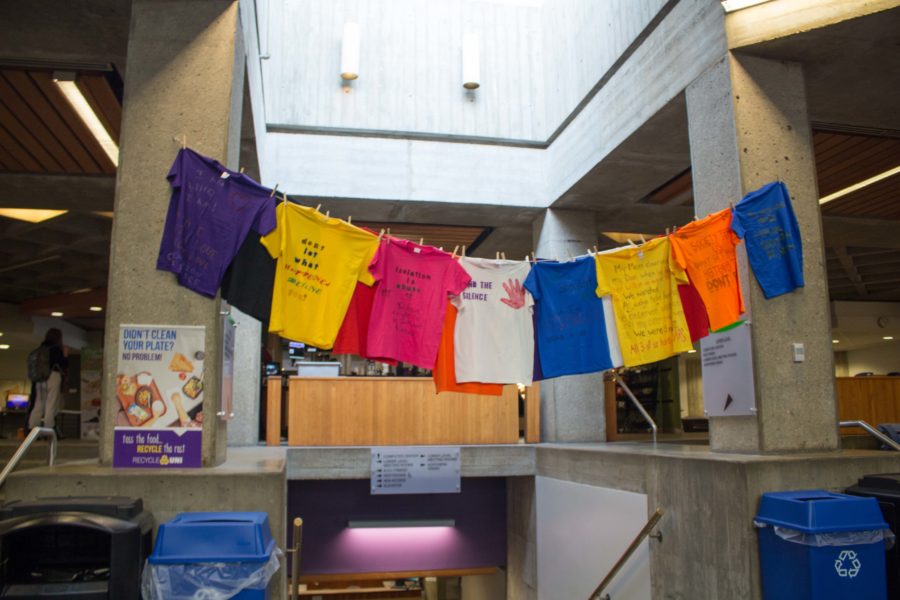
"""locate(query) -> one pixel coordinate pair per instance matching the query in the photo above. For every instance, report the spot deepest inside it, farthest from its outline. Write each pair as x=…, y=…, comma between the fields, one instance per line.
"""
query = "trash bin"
x=820, y=545
x=885, y=489
x=78, y=547
x=212, y=556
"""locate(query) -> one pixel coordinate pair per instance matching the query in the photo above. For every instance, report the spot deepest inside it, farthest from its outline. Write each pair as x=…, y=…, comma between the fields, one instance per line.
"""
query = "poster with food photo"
x=159, y=389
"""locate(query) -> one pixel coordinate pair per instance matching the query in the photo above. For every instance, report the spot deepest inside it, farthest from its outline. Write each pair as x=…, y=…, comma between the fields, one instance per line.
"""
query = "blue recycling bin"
x=206, y=554
x=820, y=545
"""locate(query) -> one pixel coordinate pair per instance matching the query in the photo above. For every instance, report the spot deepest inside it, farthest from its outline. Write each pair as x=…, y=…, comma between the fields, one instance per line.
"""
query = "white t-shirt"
x=494, y=336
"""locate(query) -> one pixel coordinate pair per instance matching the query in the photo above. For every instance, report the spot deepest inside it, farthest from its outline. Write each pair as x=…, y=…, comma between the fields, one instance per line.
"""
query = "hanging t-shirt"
x=247, y=283
x=210, y=213
x=320, y=259
x=694, y=311
x=765, y=220
x=643, y=284
x=414, y=284
x=705, y=249
x=444, y=372
x=494, y=337
x=354, y=331
x=571, y=330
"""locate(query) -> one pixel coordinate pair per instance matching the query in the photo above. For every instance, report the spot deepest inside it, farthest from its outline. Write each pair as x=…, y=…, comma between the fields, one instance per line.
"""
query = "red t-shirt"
x=351, y=338
x=694, y=311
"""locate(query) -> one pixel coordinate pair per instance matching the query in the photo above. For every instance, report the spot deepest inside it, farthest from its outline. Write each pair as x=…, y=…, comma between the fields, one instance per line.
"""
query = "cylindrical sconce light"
x=471, y=57
x=350, y=52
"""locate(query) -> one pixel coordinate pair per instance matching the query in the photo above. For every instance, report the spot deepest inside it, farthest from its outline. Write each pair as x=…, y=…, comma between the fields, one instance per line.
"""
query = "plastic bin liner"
x=837, y=538
x=206, y=581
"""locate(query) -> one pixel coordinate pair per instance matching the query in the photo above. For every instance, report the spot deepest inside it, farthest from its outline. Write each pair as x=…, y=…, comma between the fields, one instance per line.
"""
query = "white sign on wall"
x=415, y=470
x=727, y=360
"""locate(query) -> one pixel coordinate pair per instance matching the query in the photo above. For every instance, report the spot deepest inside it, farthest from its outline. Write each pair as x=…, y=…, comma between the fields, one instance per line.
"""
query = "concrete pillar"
x=184, y=77
x=243, y=428
x=748, y=126
x=571, y=407
x=521, y=539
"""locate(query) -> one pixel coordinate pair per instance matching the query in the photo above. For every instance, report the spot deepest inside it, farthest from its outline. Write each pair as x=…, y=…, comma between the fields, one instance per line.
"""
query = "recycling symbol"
x=846, y=564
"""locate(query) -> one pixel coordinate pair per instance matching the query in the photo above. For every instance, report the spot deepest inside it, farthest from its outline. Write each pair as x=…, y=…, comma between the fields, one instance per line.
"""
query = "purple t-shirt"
x=209, y=217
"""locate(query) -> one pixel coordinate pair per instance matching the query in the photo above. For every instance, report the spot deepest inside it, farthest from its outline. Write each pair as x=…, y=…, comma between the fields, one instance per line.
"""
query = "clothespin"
x=696, y=218
x=421, y=241
x=380, y=235
x=596, y=251
x=527, y=258
x=630, y=243
x=284, y=197
x=441, y=248
x=675, y=228
x=498, y=256
x=327, y=214
x=455, y=250
x=643, y=241
x=274, y=189
x=184, y=141
x=667, y=232
x=242, y=170
x=533, y=258
x=463, y=250
x=350, y=220
x=503, y=255
x=731, y=205
x=317, y=207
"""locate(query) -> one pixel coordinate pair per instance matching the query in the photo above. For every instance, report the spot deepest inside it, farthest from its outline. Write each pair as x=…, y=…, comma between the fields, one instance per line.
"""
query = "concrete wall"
x=410, y=73
x=582, y=531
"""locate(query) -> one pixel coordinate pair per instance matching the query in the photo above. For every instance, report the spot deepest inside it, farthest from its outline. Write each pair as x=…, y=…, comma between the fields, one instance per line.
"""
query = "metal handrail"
x=295, y=559
x=877, y=434
x=25, y=445
x=641, y=536
x=637, y=404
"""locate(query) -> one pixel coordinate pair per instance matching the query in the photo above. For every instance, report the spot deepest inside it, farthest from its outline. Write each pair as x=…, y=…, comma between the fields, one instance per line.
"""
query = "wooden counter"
x=374, y=411
x=872, y=399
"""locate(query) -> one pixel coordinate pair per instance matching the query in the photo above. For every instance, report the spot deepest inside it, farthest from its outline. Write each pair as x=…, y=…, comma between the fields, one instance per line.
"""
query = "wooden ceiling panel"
x=25, y=142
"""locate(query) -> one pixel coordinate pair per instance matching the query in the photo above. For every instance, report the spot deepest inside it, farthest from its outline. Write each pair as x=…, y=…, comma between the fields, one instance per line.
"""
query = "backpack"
x=39, y=364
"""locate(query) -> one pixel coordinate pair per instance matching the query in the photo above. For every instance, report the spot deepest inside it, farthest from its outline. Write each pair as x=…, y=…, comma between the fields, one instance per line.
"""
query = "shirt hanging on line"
x=444, y=372
x=494, y=337
x=211, y=211
x=354, y=332
x=248, y=281
x=571, y=329
x=765, y=220
x=414, y=284
x=320, y=259
x=706, y=250
x=643, y=284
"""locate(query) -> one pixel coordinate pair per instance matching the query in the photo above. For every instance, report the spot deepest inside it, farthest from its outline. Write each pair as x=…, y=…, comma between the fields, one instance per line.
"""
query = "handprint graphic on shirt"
x=516, y=294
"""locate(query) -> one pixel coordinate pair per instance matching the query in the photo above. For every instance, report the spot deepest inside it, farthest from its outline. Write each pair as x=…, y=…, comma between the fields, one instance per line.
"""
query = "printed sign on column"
x=159, y=387
x=727, y=359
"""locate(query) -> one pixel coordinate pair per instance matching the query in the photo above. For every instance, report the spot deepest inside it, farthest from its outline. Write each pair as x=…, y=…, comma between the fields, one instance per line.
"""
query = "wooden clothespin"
x=455, y=250
x=380, y=235
x=696, y=218
x=533, y=258
x=242, y=170
x=503, y=255
x=630, y=243
x=675, y=228
x=327, y=214
x=667, y=232
x=184, y=141
x=317, y=207
x=274, y=189
x=643, y=241
x=596, y=251
x=421, y=241
x=498, y=256
x=463, y=250
x=284, y=197
x=350, y=220
x=527, y=258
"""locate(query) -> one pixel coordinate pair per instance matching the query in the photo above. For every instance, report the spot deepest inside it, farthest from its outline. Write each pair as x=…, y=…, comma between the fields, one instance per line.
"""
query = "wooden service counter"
x=385, y=411
x=871, y=399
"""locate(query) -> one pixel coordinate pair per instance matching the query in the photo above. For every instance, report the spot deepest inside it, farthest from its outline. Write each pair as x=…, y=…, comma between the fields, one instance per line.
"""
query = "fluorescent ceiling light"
x=888, y=337
x=56, y=313
x=4, y=346
x=835, y=341
x=860, y=185
x=32, y=215
x=390, y=523
x=96, y=308
x=65, y=81
x=733, y=5
x=692, y=352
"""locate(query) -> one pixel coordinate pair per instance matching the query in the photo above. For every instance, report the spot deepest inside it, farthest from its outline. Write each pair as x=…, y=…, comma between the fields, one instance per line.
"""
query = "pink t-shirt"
x=409, y=306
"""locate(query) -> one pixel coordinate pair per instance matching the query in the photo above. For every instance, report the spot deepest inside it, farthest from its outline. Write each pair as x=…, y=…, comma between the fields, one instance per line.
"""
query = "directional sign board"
x=415, y=470
x=728, y=373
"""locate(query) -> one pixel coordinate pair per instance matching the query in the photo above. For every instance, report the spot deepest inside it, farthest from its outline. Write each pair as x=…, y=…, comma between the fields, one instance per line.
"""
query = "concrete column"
x=748, y=126
x=243, y=428
x=571, y=407
x=521, y=539
x=184, y=77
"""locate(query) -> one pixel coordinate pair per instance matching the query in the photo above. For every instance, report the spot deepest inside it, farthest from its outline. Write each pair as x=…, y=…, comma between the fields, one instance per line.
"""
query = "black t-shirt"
x=249, y=279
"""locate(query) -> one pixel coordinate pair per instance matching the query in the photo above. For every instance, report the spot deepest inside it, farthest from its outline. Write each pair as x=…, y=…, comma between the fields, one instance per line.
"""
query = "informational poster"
x=226, y=396
x=159, y=388
x=415, y=470
x=91, y=378
x=727, y=361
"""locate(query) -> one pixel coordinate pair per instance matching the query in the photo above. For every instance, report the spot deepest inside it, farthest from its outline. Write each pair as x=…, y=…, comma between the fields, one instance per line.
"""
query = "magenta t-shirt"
x=408, y=312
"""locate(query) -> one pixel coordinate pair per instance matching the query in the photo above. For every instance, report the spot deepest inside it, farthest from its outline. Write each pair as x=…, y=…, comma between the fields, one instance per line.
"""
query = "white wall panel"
x=581, y=532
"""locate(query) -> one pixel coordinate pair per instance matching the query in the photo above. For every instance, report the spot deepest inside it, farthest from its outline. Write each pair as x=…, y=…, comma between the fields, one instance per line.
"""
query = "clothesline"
x=328, y=283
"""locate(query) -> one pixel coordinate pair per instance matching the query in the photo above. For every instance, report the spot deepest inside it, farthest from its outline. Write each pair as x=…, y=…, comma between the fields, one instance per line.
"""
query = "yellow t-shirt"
x=643, y=282
x=320, y=259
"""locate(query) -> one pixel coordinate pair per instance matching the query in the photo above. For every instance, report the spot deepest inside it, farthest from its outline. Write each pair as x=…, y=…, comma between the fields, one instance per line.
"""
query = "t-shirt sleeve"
x=531, y=284
x=272, y=240
x=376, y=266
x=677, y=270
x=364, y=276
x=175, y=176
x=457, y=279
x=678, y=252
x=736, y=225
x=602, y=286
x=265, y=218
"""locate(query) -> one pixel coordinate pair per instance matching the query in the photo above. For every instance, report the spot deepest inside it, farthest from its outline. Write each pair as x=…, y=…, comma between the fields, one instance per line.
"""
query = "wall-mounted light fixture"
x=393, y=523
x=65, y=81
x=350, y=52
x=471, y=58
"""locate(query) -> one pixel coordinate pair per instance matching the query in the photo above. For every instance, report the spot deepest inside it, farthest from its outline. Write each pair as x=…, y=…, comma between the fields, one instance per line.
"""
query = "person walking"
x=49, y=390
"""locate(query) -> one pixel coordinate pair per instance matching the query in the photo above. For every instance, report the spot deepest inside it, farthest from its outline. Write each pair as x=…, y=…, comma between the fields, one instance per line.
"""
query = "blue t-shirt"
x=570, y=329
x=765, y=220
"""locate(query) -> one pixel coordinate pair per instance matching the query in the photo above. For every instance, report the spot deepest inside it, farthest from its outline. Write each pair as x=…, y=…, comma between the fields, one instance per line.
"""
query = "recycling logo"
x=846, y=564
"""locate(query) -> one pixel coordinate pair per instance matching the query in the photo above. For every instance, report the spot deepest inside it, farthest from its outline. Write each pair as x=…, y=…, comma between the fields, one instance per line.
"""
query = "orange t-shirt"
x=444, y=372
x=705, y=249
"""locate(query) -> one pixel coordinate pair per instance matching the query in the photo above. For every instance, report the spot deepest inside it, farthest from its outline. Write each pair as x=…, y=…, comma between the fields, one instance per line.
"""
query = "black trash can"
x=90, y=548
x=886, y=489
